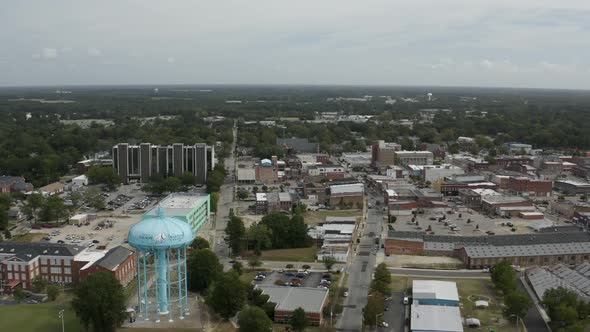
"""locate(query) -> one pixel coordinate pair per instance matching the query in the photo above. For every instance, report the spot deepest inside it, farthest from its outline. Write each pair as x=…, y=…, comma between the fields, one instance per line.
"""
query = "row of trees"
x=516, y=302
x=380, y=289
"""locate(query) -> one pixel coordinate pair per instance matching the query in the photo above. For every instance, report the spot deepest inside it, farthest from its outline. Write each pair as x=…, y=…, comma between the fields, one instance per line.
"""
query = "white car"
x=345, y=294
x=406, y=300
x=383, y=324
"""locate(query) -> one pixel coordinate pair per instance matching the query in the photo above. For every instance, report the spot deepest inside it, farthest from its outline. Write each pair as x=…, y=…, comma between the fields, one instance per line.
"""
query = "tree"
x=200, y=243
x=94, y=199
x=215, y=178
x=99, y=302
x=260, y=234
x=54, y=210
x=214, y=201
x=187, y=179
x=253, y=319
x=382, y=281
x=236, y=232
x=227, y=295
x=242, y=194
x=504, y=277
x=565, y=309
x=329, y=262
x=517, y=304
x=34, y=202
x=172, y=184
x=104, y=175
x=203, y=269
x=299, y=320
x=254, y=261
x=52, y=292
x=18, y=294
x=375, y=306
x=38, y=284
x=238, y=267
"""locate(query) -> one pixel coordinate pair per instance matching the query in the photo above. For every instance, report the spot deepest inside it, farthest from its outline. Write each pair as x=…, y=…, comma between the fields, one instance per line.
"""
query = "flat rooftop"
x=435, y=289
x=435, y=318
x=291, y=298
x=178, y=204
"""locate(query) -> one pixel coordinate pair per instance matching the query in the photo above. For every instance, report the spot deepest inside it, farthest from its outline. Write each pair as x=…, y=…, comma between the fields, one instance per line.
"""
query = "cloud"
x=49, y=53
x=95, y=52
x=487, y=64
x=170, y=60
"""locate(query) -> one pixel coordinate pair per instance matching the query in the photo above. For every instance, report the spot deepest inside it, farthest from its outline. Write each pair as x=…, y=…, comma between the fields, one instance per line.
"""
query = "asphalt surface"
x=225, y=203
x=360, y=270
x=476, y=274
x=395, y=315
x=533, y=320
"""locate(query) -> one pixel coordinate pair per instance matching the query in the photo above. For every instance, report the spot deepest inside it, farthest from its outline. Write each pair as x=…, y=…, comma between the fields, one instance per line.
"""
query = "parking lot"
x=296, y=279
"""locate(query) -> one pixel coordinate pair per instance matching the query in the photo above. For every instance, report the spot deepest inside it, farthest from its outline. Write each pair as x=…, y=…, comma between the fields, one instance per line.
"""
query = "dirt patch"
x=424, y=262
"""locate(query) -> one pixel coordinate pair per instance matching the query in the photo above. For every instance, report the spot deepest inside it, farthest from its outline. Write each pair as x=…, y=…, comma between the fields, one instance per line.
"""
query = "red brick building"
x=288, y=299
x=119, y=261
x=528, y=187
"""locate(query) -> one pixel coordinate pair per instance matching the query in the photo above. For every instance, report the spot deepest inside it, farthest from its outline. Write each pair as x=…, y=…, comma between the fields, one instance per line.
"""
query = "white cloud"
x=93, y=51
x=49, y=53
x=487, y=64
x=170, y=60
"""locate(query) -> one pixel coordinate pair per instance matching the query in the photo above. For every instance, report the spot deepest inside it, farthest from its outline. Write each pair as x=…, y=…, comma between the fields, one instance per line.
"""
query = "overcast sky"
x=516, y=43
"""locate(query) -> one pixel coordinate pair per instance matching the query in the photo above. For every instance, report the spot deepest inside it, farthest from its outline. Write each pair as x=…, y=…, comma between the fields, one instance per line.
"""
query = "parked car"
x=406, y=300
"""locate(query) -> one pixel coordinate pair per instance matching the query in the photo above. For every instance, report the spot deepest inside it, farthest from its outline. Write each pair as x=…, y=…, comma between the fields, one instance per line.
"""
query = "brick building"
x=267, y=203
x=287, y=299
x=267, y=172
x=119, y=261
x=12, y=184
x=349, y=194
x=506, y=205
x=382, y=154
x=528, y=187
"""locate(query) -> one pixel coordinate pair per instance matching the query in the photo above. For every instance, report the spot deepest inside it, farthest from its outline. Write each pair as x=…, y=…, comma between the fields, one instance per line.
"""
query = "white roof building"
x=435, y=290
x=347, y=189
x=435, y=318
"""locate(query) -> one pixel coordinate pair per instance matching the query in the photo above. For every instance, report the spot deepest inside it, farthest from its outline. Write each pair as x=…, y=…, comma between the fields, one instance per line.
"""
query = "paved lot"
x=395, y=314
x=311, y=280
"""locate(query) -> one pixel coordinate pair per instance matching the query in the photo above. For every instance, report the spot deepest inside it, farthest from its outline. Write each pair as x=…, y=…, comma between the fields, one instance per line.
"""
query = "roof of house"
x=52, y=187
x=114, y=257
x=291, y=298
x=435, y=318
x=352, y=188
x=435, y=290
x=340, y=220
x=28, y=251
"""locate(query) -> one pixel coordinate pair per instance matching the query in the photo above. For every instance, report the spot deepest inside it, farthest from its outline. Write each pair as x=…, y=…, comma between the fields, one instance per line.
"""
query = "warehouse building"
x=570, y=187
x=435, y=292
x=287, y=299
x=435, y=307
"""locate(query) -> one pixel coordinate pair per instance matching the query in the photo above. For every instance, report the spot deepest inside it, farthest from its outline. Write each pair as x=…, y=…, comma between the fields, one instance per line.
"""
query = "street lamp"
x=61, y=316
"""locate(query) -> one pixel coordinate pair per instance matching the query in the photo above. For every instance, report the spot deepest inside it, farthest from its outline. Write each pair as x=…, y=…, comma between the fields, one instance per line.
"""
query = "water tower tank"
x=161, y=244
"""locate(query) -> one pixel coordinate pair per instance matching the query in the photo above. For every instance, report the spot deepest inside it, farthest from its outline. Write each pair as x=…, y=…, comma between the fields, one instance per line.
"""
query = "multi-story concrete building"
x=193, y=209
x=382, y=154
x=140, y=162
x=413, y=157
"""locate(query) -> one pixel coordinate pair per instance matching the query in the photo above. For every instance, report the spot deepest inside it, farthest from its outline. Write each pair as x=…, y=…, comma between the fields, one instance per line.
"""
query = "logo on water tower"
x=160, y=237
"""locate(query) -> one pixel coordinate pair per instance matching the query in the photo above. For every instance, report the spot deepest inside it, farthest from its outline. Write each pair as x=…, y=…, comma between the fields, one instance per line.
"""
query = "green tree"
x=203, y=269
x=299, y=320
x=375, y=306
x=236, y=233
x=254, y=261
x=517, y=304
x=172, y=184
x=94, y=199
x=242, y=194
x=253, y=319
x=99, y=302
x=382, y=282
x=3, y=219
x=54, y=210
x=564, y=308
x=18, y=294
x=214, y=201
x=32, y=206
x=260, y=235
x=52, y=292
x=38, y=284
x=504, y=277
x=255, y=296
x=227, y=295
x=238, y=267
x=200, y=243
x=187, y=179
x=329, y=262
x=104, y=175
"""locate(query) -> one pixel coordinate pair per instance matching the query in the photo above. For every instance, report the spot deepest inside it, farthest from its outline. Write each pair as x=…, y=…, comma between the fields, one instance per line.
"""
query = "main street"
x=360, y=271
x=226, y=199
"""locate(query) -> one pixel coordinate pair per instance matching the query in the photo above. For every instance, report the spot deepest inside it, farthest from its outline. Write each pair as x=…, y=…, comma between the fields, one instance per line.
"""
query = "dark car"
x=300, y=275
x=290, y=274
x=61, y=241
x=95, y=241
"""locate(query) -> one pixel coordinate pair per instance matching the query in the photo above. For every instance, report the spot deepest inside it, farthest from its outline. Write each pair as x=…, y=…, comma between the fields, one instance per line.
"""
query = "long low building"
x=287, y=299
x=540, y=249
x=193, y=209
x=435, y=307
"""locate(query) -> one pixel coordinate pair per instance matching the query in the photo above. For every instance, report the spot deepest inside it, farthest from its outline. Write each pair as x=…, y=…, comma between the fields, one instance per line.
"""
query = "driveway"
x=533, y=320
x=395, y=315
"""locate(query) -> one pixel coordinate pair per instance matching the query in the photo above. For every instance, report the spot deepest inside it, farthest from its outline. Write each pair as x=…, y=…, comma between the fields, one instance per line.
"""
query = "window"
x=56, y=270
x=23, y=276
x=67, y=262
x=559, y=259
x=17, y=276
x=67, y=270
x=44, y=269
x=10, y=275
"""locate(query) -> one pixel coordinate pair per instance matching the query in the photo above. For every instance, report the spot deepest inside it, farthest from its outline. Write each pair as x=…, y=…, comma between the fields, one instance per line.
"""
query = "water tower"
x=161, y=244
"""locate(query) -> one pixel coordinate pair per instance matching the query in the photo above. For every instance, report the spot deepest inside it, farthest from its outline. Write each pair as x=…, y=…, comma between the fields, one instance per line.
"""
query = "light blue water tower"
x=161, y=244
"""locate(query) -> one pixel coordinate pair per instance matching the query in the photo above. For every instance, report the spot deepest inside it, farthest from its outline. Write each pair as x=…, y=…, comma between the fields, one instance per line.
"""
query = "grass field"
x=29, y=237
x=315, y=217
x=290, y=255
x=469, y=290
x=37, y=318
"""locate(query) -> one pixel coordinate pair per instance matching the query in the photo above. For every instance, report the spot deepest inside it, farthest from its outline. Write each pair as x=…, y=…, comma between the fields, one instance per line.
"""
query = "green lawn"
x=37, y=318
x=469, y=291
x=290, y=255
x=315, y=217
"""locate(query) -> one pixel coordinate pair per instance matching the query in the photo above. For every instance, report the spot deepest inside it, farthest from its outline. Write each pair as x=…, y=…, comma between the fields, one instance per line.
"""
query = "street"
x=359, y=272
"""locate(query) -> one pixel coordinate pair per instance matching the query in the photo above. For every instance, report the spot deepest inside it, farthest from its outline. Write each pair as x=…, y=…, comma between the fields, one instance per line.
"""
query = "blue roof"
x=160, y=232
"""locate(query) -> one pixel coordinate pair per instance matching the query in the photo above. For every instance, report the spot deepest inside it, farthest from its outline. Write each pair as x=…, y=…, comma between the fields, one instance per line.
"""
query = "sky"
x=507, y=43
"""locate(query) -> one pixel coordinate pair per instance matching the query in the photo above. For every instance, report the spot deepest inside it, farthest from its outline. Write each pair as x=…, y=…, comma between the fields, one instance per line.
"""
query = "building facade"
x=413, y=157
x=382, y=154
x=140, y=162
x=194, y=209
